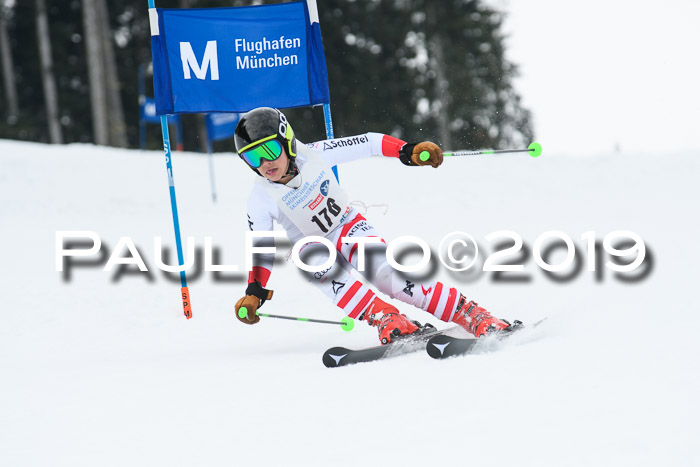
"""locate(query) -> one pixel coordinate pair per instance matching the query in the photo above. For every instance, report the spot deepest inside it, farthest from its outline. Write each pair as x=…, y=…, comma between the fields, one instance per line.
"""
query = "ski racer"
x=297, y=189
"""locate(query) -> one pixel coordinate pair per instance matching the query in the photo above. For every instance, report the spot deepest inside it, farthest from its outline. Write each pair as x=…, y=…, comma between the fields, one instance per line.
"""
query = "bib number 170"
x=323, y=219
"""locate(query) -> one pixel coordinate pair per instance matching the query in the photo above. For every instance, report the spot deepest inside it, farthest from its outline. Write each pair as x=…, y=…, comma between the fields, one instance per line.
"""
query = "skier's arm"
x=340, y=150
x=259, y=218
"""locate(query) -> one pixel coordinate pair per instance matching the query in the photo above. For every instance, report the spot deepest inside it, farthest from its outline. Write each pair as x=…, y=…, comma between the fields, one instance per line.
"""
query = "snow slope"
x=104, y=370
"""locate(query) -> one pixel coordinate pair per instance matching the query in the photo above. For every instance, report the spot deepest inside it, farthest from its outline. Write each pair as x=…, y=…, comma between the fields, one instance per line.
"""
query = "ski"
x=445, y=346
x=341, y=356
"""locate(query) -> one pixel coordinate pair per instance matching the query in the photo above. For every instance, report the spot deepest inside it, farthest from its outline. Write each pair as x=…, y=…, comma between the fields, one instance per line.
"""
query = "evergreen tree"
x=8, y=67
x=47, y=74
x=466, y=46
x=414, y=67
x=421, y=69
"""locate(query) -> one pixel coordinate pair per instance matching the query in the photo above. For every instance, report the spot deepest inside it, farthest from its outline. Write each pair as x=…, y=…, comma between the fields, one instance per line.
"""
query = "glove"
x=255, y=296
x=410, y=154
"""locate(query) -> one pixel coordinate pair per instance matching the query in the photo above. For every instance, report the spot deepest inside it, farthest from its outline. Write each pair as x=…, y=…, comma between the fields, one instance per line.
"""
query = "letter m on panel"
x=189, y=61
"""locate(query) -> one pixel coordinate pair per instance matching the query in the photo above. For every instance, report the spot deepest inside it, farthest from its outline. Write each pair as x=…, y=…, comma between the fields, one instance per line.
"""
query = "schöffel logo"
x=344, y=142
x=314, y=204
x=324, y=187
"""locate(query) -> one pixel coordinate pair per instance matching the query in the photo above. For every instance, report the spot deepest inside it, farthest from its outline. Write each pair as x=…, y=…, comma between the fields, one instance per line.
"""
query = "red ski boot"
x=389, y=321
x=476, y=320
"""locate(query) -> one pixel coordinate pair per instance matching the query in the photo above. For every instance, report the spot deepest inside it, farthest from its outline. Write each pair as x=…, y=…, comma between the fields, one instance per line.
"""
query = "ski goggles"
x=269, y=149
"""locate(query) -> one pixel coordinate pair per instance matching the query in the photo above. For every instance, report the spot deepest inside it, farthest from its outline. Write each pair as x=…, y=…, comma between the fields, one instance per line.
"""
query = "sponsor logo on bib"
x=314, y=204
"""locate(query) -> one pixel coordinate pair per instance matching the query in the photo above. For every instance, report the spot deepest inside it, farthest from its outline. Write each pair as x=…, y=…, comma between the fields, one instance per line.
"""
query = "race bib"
x=319, y=205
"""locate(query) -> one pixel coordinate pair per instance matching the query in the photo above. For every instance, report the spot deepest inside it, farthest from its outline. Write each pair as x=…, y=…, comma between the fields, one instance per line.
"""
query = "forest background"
x=412, y=68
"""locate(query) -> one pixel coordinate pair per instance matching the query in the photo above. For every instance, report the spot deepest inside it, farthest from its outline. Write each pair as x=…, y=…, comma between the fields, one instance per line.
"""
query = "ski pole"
x=535, y=149
x=346, y=324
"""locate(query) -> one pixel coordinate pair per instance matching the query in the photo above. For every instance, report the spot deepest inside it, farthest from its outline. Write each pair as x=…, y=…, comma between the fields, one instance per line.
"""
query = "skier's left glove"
x=255, y=296
x=425, y=153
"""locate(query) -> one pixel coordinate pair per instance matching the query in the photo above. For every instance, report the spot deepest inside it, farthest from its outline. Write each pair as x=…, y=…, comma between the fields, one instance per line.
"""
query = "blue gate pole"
x=187, y=308
x=186, y=305
x=329, y=132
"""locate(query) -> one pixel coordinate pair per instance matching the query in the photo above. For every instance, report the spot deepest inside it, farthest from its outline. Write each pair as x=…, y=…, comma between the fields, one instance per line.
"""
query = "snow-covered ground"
x=103, y=369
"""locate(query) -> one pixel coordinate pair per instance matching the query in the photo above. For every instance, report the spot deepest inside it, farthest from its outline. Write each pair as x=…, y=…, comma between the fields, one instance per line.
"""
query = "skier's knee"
x=385, y=280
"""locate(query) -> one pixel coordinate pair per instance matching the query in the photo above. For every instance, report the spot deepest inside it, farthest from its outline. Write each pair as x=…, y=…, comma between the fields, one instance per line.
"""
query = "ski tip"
x=334, y=357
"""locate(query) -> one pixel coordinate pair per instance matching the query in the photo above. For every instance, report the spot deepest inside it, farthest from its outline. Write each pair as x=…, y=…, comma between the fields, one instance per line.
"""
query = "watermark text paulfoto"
x=458, y=252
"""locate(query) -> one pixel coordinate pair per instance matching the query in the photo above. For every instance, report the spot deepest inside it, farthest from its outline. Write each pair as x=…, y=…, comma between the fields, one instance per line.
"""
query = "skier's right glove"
x=247, y=307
